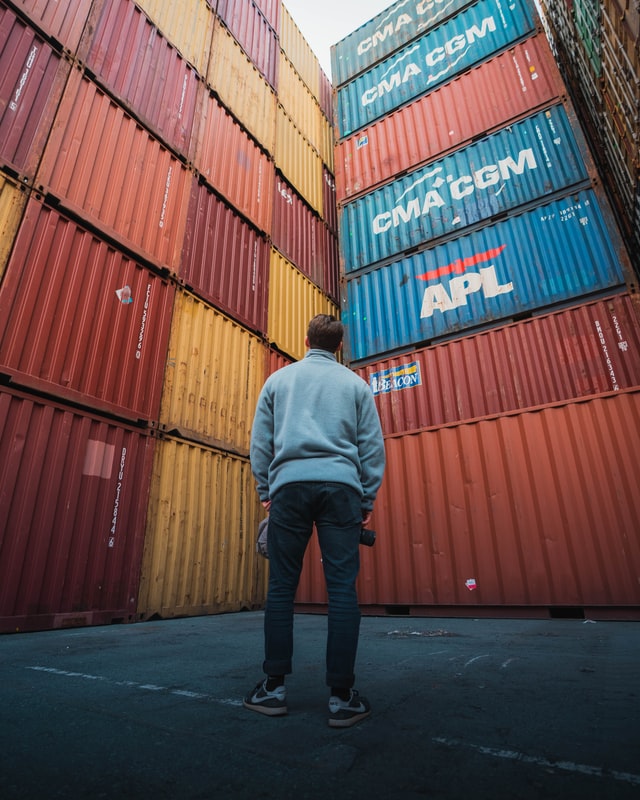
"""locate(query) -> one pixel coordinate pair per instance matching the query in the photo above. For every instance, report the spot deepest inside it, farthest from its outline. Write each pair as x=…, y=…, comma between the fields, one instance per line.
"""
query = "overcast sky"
x=325, y=22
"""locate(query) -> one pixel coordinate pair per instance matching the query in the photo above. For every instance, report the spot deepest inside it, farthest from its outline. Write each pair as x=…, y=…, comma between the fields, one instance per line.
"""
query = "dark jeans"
x=336, y=510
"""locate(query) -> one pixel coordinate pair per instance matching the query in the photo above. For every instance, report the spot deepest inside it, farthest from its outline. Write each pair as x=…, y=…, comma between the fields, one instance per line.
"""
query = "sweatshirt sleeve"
x=261, y=447
x=370, y=449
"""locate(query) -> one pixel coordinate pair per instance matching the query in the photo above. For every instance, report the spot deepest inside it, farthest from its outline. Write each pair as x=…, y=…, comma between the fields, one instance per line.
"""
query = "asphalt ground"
x=462, y=708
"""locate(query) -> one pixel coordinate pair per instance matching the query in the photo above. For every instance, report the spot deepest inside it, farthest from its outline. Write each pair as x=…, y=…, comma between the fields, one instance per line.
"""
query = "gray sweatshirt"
x=316, y=420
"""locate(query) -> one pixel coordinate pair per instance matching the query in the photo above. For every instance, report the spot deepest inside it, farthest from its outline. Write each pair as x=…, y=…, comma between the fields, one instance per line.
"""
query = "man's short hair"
x=325, y=332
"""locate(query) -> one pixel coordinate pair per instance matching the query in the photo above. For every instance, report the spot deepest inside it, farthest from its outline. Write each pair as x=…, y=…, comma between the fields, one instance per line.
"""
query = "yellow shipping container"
x=199, y=551
x=187, y=25
x=296, y=158
x=299, y=52
x=215, y=370
x=241, y=87
x=293, y=301
x=13, y=198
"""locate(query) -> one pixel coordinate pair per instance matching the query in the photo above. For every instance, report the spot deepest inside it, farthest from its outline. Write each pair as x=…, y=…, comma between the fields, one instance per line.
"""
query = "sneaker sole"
x=348, y=721
x=268, y=711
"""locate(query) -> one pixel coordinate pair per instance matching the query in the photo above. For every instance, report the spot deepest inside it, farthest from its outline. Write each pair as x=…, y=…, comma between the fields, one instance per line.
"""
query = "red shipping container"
x=63, y=22
x=73, y=505
x=255, y=35
x=32, y=82
x=329, y=204
x=102, y=165
x=326, y=97
x=588, y=349
x=526, y=512
x=232, y=163
x=225, y=260
x=485, y=98
x=272, y=10
x=331, y=283
x=82, y=321
x=129, y=57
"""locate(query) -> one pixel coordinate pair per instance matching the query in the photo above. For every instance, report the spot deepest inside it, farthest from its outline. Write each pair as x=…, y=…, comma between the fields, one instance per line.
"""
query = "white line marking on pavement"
x=147, y=687
x=568, y=766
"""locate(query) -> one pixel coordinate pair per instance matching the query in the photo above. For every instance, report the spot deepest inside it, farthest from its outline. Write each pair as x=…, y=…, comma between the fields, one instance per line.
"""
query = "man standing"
x=317, y=455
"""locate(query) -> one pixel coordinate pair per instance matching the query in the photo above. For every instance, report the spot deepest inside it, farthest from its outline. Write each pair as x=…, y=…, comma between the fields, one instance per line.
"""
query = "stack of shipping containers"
x=167, y=224
x=490, y=303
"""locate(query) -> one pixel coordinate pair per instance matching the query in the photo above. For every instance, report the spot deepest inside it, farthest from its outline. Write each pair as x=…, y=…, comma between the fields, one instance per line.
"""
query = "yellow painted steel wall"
x=215, y=370
x=241, y=87
x=293, y=301
x=13, y=198
x=199, y=554
x=188, y=25
x=300, y=105
x=298, y=161
x=299, y=52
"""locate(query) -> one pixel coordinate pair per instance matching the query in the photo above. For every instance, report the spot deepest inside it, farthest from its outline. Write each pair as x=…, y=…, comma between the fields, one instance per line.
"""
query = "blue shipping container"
x=387, y=32
x=556, y=252
x=472, y=36
x=519, y=164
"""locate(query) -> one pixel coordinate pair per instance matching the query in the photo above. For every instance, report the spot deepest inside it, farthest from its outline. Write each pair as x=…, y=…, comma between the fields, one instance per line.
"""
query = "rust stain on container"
x=13, y=199
x=199, y=553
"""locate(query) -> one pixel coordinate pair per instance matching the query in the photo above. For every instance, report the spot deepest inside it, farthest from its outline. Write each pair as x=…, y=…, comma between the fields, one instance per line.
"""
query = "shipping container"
x=32, y=82
x=293, y=301
x=63, y=22
x=275, y=361
x=81, y=321
x=272, y=10
x=75, y=489
x=200, y=553
x=242, y=89
x=325, y=98
x=101, y=164
x=225, y=260
x=591, y=348
x=557, y=252
x=129, y=57
x=257, y=38
x=188, y=25
x=586, y=15
x=298, y=161
x=298, y=51
x=329, y=205
x=13, y=198
x=214, y=373
x=232, y=163
x=472, y=36
x=388, y=31
x=331, y=285
x=507, y=87
x=520, y=164
x=533, y=512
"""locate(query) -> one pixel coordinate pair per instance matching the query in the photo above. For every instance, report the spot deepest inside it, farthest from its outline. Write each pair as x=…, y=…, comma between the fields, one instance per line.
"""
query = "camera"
x=367, y=537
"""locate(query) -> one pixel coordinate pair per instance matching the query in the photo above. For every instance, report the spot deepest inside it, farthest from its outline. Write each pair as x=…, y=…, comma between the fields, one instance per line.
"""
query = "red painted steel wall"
x=72, y=515
x=534, y=509
x=65, y=330
x=589, y=349
x=272, y=10
x=101, y=164
x=325, y=98
x=225, y=260
x=483, y=99
x=329, y=204
x=130, y=58
x=255, y=35
x=232, y=163
x=331, y=284
x=32, y=80
x=63, y=21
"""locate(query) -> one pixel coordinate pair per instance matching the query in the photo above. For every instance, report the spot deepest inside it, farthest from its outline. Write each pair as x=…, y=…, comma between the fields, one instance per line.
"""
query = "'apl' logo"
x=439, y=297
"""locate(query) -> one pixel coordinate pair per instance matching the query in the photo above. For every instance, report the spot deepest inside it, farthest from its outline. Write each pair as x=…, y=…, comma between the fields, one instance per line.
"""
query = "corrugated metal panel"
x=102, y=165
x=225, y=260
x=537, y=509
x=293, y=301
x=241, y=87
x=256, y=37
x=448, y=50
x=331, y=285
x=519, y=164
x=233, y=164
x=31, y=84
x=325, y=98
x=387, y=31
x=187, y=25
x=130, y=58
x=64, y=22
x=298, y=161
x=556, y=252
x=72, y=515
x=299, y=52
x=329, y=204
x=590, y=349
x=276, y=361
x=199, y=555
x=481, y=100
x=13, y=198
x=214, y=373
x=82, y=321
x=300, y=105
x=272, y=10
x=586, y=14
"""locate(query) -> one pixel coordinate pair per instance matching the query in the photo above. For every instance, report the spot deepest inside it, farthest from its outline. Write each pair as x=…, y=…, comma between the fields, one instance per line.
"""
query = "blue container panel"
x=556, y=252
x=470, y=37
x=517, y=165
